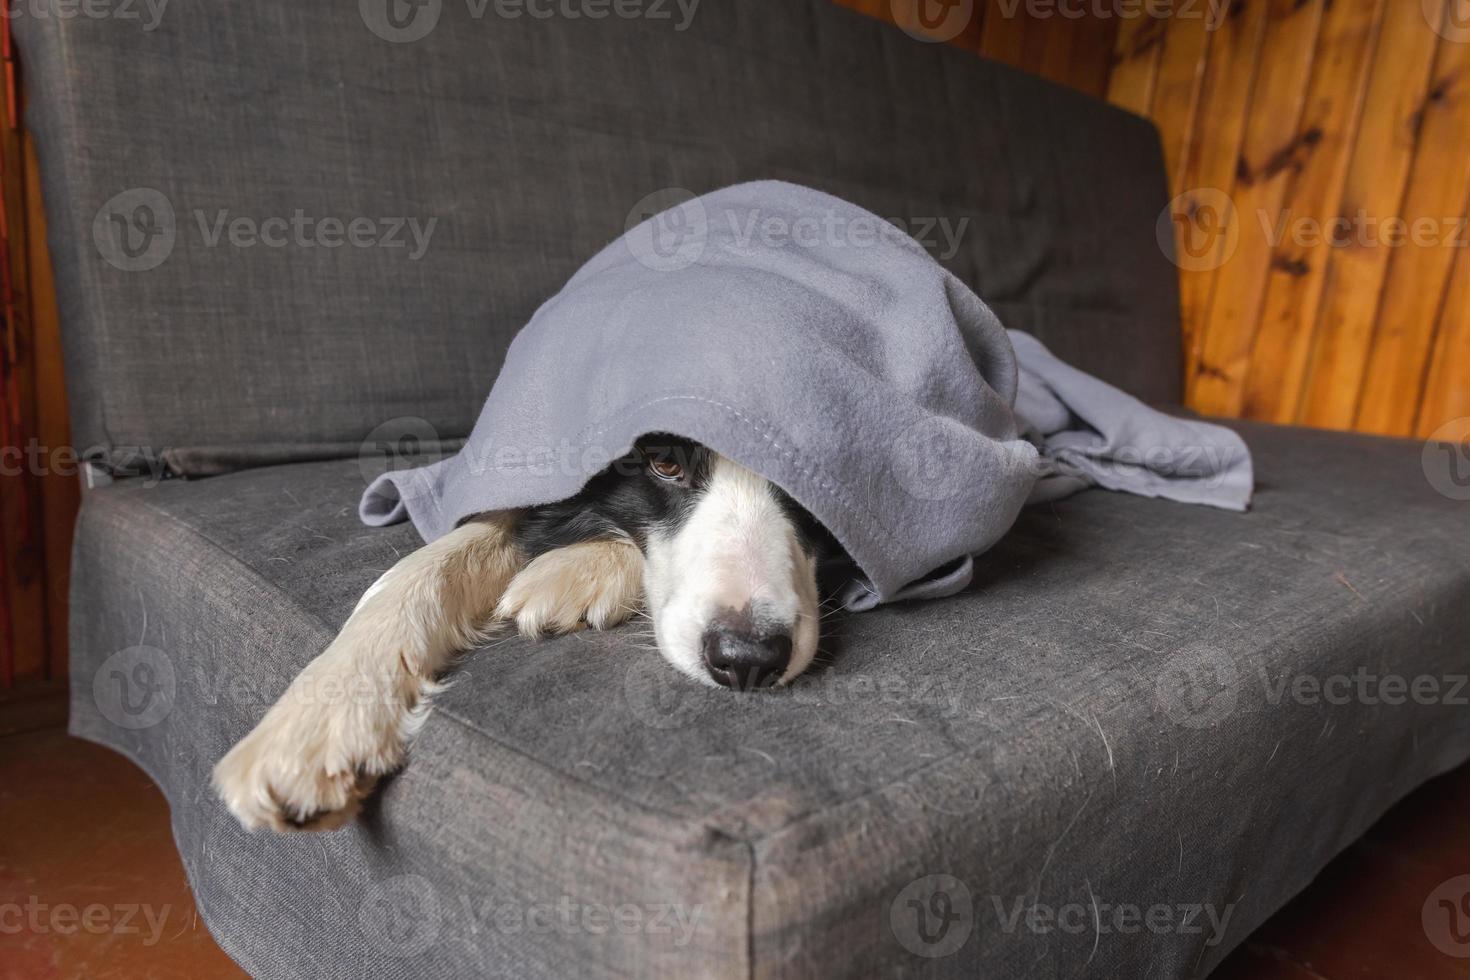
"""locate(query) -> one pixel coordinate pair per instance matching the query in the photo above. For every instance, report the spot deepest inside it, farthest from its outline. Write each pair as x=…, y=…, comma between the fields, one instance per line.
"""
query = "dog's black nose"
x=745, y=659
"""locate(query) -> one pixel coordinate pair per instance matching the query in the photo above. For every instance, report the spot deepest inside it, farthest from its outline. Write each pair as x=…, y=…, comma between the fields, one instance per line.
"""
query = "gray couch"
x=1142, y=730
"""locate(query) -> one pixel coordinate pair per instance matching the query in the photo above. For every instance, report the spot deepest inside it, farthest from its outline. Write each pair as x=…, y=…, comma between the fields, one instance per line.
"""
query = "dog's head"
x=730, y=559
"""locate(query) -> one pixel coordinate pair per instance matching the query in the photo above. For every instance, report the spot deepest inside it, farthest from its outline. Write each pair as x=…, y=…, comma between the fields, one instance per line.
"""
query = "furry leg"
x=346, y=719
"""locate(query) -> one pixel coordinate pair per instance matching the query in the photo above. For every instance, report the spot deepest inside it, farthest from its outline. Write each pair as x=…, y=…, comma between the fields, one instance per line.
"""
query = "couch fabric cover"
x=530, y=143
x=1113, y=712
x=1104, y=759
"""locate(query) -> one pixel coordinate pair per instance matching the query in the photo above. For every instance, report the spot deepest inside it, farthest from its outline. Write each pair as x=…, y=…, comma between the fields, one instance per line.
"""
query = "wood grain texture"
x=1297, y=275
x=1096, y=59
x=1134, y=67
x=1374, y=194
x=1176, y=98
x=1326, y=131
x=1418, y=273
x=60, y=480
x=1212, y=154
x=39, y=494
x=1271, y=146
x=22, y=549
x=1447, y=388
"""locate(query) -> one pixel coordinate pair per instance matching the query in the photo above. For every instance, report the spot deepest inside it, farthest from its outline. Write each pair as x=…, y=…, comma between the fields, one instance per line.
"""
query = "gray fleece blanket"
x=818, y=345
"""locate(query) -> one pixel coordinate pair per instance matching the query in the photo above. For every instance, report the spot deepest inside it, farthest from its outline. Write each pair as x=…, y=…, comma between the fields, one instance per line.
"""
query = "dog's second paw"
x=591, y=583
x=314, y=756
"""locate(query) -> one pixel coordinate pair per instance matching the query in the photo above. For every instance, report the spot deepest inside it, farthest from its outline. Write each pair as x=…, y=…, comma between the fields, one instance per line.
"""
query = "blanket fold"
x=821, y=347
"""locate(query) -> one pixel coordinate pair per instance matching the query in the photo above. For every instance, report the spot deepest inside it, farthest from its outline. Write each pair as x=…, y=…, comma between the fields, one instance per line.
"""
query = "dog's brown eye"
x=665, y=468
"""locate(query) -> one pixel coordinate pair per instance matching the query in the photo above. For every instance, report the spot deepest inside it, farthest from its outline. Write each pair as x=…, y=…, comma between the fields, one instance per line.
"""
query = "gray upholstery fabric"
x=529, y=142
x=1111, y=718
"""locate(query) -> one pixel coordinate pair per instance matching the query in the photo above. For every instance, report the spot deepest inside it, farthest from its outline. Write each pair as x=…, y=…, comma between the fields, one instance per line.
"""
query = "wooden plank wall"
x=1319, y=152
x=39, y=486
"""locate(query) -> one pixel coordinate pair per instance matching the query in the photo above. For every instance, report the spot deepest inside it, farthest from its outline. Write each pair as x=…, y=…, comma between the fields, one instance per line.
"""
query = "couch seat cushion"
x=1142, y=730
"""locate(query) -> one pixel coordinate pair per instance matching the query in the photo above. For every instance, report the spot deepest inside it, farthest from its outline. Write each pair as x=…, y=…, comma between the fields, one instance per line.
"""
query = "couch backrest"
x=278, y=226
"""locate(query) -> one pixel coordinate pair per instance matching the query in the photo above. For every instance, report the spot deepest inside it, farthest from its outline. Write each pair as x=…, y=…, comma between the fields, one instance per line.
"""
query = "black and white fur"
x=723, y=561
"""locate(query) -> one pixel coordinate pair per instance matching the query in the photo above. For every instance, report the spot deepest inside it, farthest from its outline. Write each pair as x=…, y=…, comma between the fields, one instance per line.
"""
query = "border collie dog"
x=724, y=562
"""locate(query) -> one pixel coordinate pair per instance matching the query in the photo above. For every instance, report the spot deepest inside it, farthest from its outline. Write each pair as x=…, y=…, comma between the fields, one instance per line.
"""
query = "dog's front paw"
x=316, y=753
x=592, y=583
